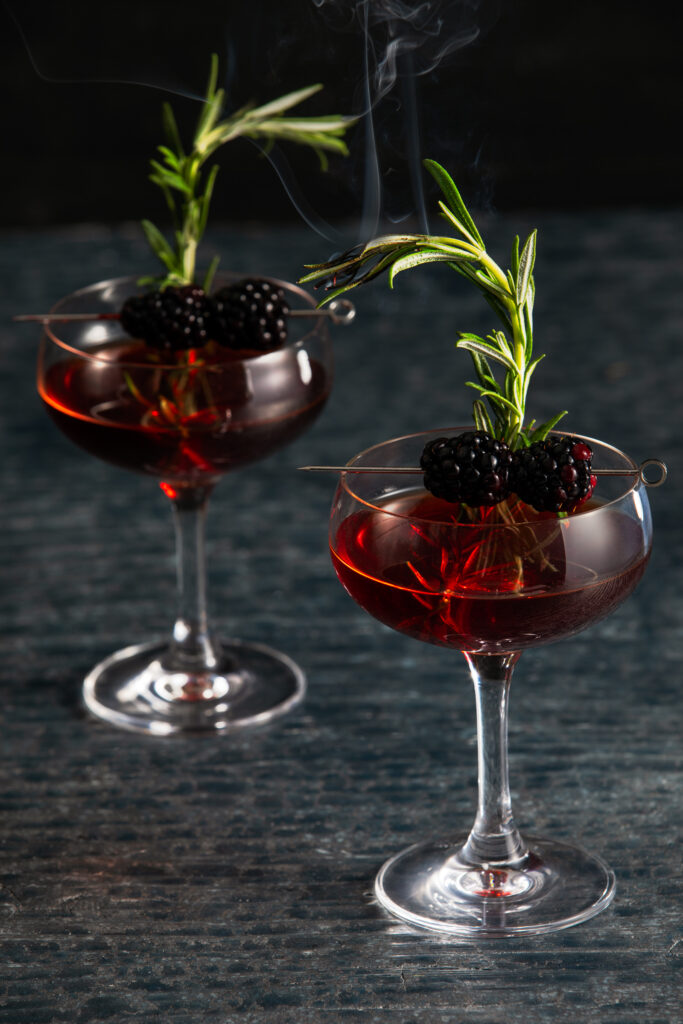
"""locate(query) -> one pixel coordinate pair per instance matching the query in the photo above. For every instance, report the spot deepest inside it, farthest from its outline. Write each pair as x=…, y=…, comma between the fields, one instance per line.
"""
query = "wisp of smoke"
x=429, y=32
x=273, y=154
x=402, y=42
x=88, y=80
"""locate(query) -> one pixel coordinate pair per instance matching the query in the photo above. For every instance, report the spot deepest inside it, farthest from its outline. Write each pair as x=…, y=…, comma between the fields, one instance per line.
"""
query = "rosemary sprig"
x=500, y=407
x=188, y=191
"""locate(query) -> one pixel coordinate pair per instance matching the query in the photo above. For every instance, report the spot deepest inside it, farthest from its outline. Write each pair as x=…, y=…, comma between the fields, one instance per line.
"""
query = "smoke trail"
x=230, y=65
x=89, y=80
x=287, y=178
x=402, y=42
x=372, y=192
x=429, y=32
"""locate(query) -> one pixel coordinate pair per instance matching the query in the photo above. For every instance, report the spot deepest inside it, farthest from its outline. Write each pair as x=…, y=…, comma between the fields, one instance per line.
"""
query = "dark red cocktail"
x=186, y=417
x=489, y=581
x=213, y=412
x=428, y=568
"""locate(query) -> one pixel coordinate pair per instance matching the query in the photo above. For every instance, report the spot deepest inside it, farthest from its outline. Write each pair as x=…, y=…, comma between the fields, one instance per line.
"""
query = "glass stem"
x=494, y=839
x=191, y=646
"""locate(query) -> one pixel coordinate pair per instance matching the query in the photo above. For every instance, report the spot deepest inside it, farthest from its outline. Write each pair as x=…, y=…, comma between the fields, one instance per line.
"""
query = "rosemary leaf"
x=158, y=243
x=413, y=260
x=170, y=157
x=483, y=370
x=487, y=350
x=526, y=266
x=181, y=173
x=540, y=433
x=171, y=130
x=209, y=276
x=453, y=197
x=510, y=294
x=481, y=417
x=286, y=102
x=497, y=398
x=514, y=258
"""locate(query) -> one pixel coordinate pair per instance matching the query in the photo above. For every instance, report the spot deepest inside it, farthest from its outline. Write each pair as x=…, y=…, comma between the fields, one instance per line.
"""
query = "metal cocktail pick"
x=639, y=471
x=339, y=311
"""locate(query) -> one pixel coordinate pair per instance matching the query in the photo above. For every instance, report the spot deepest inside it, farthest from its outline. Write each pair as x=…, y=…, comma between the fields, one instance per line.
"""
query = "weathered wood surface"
x=230, y=879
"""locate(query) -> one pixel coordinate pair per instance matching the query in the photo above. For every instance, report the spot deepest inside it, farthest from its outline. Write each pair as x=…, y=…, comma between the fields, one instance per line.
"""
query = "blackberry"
x=472, y=468
x=172, y=319
x=554, y=475
x=250, y=314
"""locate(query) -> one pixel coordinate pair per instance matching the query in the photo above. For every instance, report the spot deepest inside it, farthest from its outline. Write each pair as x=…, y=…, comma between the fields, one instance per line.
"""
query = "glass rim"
x=318, y=328
x=630, y=466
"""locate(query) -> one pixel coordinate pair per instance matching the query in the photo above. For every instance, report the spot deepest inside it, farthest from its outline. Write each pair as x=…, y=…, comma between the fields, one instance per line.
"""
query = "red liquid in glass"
x=480, y=588
x=215, y=417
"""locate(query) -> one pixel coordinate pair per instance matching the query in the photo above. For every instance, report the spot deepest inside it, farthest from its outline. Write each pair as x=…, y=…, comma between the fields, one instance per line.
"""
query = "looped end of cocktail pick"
x=650, y=481
x=640, y=471
x=341, y=311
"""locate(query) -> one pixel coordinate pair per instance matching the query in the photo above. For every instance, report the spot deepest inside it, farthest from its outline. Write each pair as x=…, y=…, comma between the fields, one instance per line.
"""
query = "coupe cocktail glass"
x=185, y=422
x=490, y=583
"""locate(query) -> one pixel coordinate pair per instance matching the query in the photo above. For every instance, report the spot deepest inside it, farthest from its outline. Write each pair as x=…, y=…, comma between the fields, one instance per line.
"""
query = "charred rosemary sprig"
x=500, y=408
x=179, y=174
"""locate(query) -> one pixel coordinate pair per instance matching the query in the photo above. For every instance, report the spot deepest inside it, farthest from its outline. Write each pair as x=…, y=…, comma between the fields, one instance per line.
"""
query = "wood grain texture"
x=230, y=879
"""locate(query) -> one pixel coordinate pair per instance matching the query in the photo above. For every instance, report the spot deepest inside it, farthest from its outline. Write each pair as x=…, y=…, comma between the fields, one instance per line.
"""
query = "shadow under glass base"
x=555, y=886
x=136, y=689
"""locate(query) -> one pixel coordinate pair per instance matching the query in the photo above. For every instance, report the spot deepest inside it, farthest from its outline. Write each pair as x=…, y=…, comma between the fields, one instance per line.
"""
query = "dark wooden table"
x=230, y=879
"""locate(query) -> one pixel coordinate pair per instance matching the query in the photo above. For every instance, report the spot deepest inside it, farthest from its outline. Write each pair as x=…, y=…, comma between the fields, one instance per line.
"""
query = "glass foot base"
x=137, y=688
x=553, y=887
